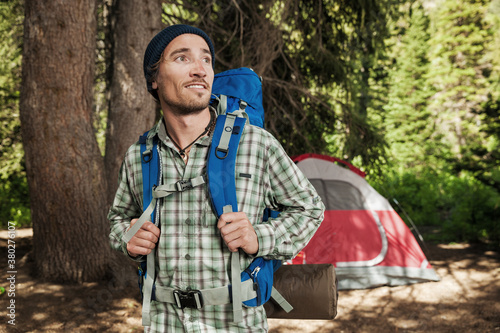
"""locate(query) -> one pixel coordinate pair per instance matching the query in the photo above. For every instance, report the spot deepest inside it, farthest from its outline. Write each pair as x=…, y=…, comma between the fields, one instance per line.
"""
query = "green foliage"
x=460, y=207
x=407, y=117
x=442, y=118
x=463, y=72
x=321, y=63
x=14, y=198
x=339, y=48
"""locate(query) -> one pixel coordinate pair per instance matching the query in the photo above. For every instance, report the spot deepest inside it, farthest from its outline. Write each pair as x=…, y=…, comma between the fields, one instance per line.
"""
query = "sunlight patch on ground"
x=40, y=316
x=454, y=246
x=405, y=324
x=306, y=326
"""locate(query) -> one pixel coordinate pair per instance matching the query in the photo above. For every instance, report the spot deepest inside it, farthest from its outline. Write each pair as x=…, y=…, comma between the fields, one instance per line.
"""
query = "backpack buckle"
x=221, y=150
x=183, y=185
x=147, y=155
x=188, y=299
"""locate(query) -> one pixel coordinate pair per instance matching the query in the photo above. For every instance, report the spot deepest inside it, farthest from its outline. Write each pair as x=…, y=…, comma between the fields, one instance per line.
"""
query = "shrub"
x=14, y=200
x=459, y=206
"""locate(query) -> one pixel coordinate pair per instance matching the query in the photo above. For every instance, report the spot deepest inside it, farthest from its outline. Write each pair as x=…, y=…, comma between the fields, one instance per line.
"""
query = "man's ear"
x=154, y=85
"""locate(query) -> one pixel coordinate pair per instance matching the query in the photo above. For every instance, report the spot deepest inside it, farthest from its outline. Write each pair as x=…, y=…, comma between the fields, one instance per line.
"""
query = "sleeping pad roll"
x=311, y=289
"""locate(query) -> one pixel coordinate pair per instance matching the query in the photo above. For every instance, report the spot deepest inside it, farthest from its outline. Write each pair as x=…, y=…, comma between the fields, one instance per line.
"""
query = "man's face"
x=185, y=75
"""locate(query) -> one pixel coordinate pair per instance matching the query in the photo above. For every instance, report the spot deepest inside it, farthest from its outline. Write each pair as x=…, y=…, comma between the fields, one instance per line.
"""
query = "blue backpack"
x=237, y=95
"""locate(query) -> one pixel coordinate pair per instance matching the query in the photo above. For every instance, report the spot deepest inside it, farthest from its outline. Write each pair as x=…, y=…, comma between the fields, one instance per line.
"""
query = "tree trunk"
x=64, y=167
x=132, y=109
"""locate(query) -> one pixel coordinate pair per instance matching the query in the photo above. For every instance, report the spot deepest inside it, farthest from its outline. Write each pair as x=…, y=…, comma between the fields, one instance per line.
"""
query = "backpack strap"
x=157, y=192
x=278, y=298
x=236, y=289
x=221, y=162
x=152, y=191
x=150, y=164
x=222, y=188
x=221, y=184
x=222, y=104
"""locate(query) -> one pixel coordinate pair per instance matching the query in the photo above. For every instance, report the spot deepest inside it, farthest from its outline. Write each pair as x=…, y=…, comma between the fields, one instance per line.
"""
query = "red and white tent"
x=362, y=235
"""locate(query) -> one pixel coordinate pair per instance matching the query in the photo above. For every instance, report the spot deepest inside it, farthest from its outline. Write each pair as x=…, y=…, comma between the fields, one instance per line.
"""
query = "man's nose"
x=198, y=68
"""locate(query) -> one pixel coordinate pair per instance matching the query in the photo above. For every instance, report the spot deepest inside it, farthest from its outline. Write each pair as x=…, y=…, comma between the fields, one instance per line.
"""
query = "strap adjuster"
x=221, y=150
x=183, y=185
x=188, y=299
x=147, y=155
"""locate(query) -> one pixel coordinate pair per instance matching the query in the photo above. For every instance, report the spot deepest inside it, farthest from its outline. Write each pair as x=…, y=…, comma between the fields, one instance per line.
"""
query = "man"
x=192, y=246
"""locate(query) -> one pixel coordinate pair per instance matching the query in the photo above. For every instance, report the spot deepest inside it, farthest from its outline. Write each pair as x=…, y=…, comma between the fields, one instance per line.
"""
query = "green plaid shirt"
x=190, y=253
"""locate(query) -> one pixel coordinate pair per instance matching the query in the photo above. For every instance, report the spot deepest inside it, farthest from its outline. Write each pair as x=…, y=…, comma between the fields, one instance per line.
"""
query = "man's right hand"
x=145, y=239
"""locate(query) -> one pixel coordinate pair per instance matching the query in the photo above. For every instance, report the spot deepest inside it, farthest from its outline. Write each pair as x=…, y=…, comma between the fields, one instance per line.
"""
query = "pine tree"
x=457, y=73
x=465, y=108
x=65, y=169
x=407, y=117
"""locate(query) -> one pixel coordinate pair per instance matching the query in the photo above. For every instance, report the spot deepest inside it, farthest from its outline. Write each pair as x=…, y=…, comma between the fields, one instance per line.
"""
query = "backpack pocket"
x=261, y=271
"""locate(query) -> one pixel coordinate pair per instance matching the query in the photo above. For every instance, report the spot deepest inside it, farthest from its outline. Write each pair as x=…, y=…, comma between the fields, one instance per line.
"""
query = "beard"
x=186, y=106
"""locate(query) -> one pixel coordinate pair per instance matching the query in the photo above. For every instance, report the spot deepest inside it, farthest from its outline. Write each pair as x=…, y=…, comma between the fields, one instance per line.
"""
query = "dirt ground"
x=467, y=299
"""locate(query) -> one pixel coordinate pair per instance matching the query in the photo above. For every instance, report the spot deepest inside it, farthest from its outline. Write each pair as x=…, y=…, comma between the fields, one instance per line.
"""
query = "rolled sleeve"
x=124, y=209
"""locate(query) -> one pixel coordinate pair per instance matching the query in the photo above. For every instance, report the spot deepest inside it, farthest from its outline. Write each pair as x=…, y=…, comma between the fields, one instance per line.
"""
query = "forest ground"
x=467, y=299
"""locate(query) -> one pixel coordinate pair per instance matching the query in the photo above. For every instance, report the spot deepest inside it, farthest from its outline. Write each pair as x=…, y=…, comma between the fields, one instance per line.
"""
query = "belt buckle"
x=188, y=299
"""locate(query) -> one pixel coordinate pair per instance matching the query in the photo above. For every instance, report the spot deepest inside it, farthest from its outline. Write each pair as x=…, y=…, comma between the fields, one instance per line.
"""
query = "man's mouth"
x=195, y=86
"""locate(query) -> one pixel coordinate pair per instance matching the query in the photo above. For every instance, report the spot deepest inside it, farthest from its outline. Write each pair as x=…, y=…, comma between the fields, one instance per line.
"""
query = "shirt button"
x=187, y=256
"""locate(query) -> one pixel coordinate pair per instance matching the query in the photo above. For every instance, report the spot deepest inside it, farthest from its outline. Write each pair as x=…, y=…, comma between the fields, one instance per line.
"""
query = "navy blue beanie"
x=160, y=42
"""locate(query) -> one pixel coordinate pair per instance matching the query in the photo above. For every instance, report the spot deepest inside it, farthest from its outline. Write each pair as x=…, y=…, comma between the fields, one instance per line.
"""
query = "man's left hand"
x=238, y=232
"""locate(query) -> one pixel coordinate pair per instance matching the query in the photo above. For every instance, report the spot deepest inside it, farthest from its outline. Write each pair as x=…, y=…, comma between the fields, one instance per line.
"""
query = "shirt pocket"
x=249, y=193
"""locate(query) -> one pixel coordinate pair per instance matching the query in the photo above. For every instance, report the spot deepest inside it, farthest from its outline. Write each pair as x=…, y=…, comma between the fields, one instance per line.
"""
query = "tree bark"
x=64, y=167
x=132, y=109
